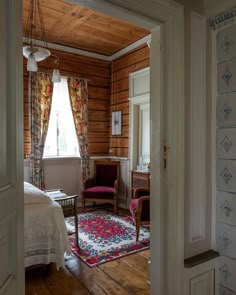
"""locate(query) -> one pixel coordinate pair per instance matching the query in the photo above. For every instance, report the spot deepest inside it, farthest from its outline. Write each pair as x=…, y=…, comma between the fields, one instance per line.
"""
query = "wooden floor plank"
x=95, y=280
x=35, y=286
x=132, y=279
x=63, y=282
x=124, y=276
x=145, y=254
x=138, y=261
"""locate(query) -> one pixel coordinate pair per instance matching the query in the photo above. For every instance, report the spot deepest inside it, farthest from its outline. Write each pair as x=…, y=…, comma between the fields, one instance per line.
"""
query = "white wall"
x=214, y=7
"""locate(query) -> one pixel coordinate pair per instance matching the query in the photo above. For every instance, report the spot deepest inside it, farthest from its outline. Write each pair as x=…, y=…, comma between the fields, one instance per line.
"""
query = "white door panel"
x=11, y=151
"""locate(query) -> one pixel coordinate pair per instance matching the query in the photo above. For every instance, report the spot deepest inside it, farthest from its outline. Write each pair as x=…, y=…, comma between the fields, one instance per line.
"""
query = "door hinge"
x=166, y=148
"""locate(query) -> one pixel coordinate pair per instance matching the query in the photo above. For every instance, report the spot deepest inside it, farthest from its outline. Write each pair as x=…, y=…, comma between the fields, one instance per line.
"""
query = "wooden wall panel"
x=121, y=68
x=108, y=90
x=99, y=74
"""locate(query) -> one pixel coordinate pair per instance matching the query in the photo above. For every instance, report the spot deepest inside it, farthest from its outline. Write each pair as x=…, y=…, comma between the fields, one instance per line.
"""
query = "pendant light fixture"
x=56, y=74
x=35, y=30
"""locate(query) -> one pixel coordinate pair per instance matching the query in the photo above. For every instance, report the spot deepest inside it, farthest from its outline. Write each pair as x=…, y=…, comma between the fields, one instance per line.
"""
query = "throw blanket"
x=33, y=195
x=45, y=234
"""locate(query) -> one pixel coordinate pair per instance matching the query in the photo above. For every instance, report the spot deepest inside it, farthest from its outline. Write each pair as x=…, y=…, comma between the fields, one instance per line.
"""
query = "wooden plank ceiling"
x=72, y=25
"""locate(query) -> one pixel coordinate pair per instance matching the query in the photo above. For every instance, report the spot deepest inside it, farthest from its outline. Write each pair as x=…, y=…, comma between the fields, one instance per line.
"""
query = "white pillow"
x=33, y=195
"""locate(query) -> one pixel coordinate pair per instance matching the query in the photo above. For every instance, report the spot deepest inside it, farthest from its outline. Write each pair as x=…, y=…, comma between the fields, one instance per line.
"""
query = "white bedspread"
x=45, y=235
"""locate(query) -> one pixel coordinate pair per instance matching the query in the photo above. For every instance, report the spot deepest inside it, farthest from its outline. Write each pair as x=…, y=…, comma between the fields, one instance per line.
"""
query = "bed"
x=45, y=234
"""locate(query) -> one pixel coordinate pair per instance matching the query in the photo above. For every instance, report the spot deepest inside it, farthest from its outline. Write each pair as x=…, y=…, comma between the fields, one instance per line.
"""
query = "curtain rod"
x=67, y=74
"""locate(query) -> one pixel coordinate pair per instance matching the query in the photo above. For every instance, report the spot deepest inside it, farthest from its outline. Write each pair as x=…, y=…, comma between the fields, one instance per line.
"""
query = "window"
x=61, y=138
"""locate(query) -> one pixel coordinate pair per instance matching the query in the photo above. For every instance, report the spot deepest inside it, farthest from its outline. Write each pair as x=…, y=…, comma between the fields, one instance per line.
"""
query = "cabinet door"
x=203, y=284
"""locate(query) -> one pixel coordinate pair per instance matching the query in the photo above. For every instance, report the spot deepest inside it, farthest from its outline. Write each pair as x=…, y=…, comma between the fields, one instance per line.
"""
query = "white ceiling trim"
x=92, y=54
x=70, y=50
x=132, y=46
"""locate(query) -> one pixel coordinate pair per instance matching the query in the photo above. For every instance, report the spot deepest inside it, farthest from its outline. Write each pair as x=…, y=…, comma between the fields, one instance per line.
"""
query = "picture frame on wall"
x=116, y=123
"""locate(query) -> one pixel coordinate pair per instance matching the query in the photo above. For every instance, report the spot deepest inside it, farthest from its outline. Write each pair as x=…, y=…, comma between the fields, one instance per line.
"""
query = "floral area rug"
x=105, y=236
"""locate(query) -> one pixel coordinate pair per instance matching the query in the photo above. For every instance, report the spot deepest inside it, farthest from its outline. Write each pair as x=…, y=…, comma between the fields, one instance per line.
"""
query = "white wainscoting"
x=62, y=173
x=65, y=173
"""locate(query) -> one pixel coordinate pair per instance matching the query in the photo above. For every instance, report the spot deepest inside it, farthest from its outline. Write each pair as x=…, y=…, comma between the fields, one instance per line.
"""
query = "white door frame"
x=134, y=104
x=167, y=100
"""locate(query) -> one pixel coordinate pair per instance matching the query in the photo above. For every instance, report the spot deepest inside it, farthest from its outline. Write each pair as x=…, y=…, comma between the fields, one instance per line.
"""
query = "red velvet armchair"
x=140, y=208
x=103, y=187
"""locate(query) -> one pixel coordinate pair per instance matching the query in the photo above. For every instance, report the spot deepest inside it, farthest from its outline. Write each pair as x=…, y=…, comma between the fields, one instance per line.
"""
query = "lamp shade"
x=56, y=76
x=39, y=53
x=32, y=64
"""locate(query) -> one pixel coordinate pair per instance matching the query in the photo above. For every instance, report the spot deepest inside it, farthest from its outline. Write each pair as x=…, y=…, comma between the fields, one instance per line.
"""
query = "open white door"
x=11, y=151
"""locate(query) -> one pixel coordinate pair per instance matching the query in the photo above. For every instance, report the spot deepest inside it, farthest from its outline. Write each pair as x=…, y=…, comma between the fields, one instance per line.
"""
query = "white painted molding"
x=134, y=103
x=146, y=39
x=213, y=135
x=139, y=82
x=142, y=79
x=139, y=98
x=224, y=19
x=73, y=50
x=196, y=217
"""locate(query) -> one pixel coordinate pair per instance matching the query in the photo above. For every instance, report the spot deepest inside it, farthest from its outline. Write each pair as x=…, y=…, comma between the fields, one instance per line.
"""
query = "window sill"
x=61, y=157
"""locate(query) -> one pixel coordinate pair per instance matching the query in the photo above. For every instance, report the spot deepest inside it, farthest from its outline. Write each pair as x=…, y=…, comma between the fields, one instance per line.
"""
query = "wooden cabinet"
x=140, y=179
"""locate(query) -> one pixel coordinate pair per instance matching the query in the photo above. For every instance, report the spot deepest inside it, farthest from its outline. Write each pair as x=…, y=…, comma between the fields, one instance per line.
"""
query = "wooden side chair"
x=103, y=187
x=140, y=208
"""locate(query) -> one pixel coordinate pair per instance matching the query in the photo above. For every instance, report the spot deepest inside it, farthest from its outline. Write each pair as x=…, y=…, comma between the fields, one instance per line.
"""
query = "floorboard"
x=124, y=276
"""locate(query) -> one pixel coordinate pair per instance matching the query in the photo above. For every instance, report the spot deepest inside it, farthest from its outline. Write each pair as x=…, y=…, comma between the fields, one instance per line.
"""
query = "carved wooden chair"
x=140, y=208
x=103, y=187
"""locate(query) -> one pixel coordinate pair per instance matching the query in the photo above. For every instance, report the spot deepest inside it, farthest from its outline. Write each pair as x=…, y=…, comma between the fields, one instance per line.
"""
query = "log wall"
x=99, y=74
x=121, y=68
x=108, y=90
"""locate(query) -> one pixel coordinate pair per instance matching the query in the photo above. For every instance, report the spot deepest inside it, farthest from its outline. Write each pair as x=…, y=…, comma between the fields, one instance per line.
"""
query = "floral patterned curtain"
x=78, y=92
x=40, y=94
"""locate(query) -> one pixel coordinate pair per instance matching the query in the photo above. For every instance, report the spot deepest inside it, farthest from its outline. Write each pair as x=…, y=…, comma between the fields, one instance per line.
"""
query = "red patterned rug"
x=105, y=236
